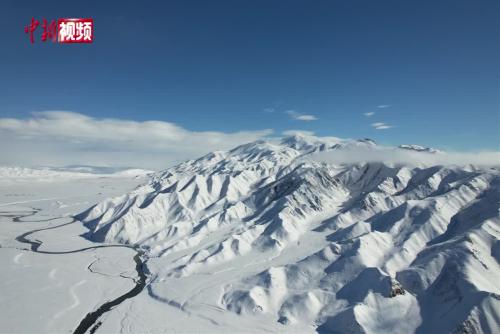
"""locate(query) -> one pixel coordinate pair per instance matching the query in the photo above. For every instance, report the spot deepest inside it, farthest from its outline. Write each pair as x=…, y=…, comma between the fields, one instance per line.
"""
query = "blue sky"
x=224, y=65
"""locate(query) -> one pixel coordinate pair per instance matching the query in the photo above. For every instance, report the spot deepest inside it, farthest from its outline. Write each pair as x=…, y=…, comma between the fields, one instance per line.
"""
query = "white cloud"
x=269, y=110
x=61, y=138
x=381, y=126
x=392, y=155
x=298, y=132
x=300, y=117
x=383, y=106
x=369, y=114
x=306, y=118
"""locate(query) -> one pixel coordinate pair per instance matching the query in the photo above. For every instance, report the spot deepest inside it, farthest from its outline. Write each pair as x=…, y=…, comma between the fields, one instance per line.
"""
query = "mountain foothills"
x=268, y=232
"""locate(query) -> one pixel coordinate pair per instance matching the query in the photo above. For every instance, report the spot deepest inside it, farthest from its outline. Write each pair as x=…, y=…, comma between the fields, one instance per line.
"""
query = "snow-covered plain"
x=51, y=293
x=267, y=237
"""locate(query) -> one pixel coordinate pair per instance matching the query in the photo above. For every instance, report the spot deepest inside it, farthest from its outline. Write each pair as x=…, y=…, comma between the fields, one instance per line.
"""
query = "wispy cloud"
x=381, y=126
x=300, y=117
x=369, y=114
x=383, y=106
x=269, y=110
x=61, y=138
x=298, y=132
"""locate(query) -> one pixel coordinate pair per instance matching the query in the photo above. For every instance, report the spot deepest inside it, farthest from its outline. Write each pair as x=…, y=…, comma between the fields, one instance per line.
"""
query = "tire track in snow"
x=76, y=300
x=17, y=258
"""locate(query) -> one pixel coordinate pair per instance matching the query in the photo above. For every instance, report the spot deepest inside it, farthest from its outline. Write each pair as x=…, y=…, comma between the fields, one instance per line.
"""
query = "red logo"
x=76, y=30
x=67, y=30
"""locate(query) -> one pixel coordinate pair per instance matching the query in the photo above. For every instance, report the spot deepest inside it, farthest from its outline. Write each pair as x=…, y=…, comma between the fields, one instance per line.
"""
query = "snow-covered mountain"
x=419, y=148
x=267, y=232
x=71, y=172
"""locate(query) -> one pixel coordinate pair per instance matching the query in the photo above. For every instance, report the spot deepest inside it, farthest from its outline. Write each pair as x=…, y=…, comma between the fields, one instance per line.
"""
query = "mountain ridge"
x=328, y=233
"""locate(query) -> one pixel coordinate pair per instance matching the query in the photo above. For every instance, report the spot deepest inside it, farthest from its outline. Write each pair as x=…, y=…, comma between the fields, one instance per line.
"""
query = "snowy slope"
x=268, y=233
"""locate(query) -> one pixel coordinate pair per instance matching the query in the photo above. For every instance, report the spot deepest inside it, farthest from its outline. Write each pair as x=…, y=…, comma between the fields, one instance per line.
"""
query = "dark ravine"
x=92, y=318
x=34, y=245
x=91, y=321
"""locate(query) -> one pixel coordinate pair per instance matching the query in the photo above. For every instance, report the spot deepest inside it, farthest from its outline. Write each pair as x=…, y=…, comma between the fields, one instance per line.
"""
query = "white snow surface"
x=264, y=238
x=52, y=293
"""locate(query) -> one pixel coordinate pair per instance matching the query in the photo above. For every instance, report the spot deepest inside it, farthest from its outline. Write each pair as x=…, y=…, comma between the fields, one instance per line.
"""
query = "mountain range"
x=270, y=230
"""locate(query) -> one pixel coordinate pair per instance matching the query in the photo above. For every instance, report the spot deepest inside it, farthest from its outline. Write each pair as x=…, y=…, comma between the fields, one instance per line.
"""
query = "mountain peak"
x=367, y=141
x=418, y=148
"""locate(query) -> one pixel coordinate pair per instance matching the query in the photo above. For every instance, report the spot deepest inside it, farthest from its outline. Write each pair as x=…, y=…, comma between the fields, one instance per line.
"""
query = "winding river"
x=91, y=321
